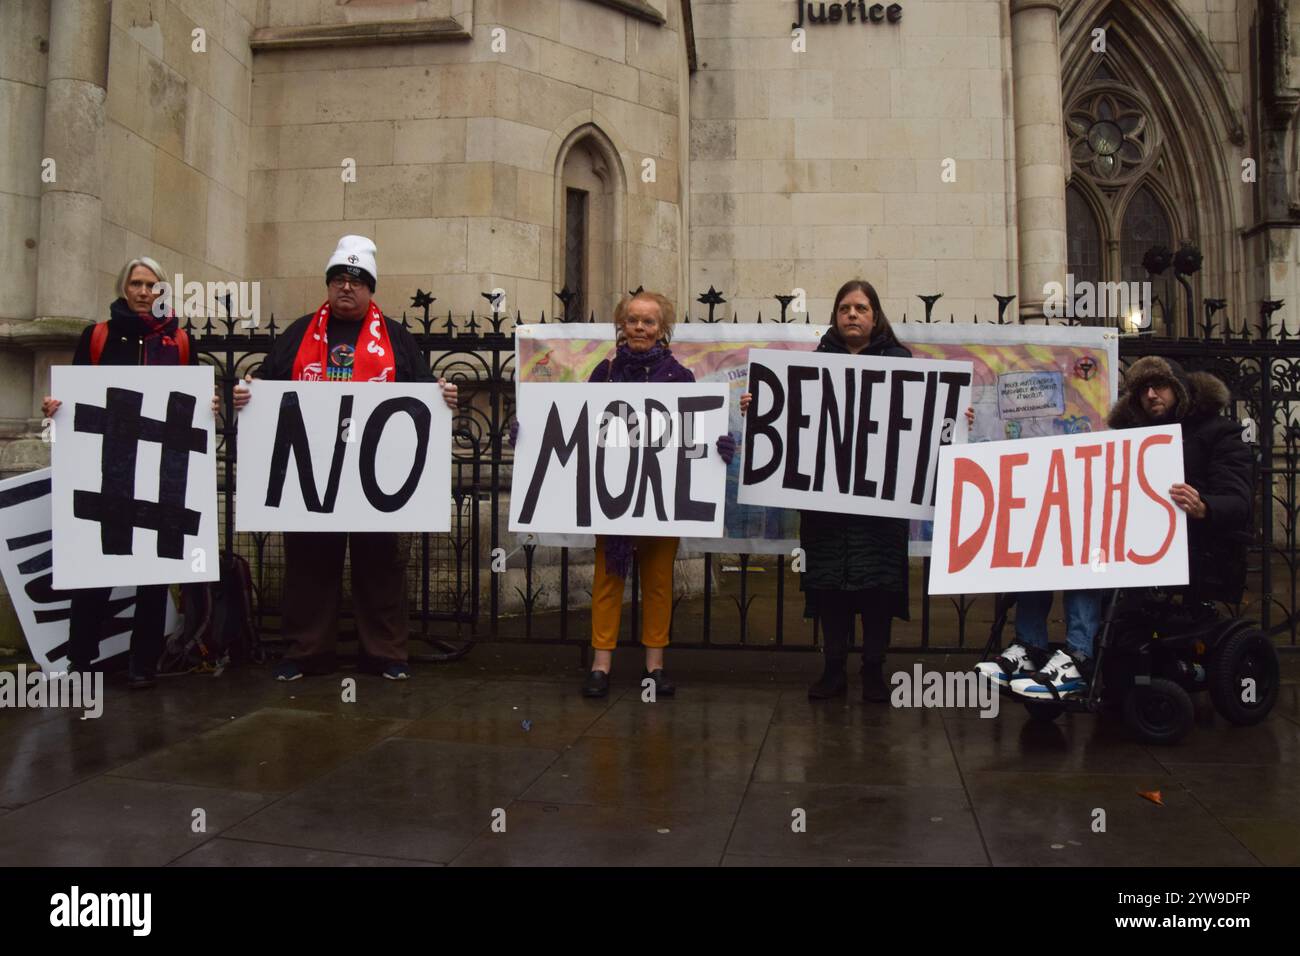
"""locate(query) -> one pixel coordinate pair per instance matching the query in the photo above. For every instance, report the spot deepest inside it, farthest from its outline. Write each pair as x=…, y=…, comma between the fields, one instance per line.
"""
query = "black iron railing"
x=742, y=601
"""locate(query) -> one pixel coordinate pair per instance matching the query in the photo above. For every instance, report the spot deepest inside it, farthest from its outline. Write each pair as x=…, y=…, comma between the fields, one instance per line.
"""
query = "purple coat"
x=656, y=365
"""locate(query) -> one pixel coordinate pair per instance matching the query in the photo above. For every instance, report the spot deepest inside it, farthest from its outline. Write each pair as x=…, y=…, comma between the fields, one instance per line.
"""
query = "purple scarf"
x=654, y=365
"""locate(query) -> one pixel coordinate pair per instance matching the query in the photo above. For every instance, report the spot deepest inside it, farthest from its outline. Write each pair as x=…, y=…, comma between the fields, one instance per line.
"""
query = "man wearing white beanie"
x=347, y=339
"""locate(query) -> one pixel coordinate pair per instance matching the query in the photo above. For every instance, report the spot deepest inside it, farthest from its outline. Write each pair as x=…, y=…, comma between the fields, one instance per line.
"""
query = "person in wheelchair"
x=1216, y=495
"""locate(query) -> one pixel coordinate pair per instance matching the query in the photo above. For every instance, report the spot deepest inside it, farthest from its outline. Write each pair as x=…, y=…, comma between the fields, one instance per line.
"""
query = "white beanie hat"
x=355, y=254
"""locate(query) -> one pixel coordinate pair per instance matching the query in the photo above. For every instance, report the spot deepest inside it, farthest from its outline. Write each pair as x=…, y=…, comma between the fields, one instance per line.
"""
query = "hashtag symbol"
x=115, y=506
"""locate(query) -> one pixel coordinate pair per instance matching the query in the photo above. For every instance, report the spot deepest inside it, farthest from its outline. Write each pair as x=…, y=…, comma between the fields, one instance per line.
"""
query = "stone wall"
x=455, y=146
x=24, y=49
x=177, y=138
x=809, y=168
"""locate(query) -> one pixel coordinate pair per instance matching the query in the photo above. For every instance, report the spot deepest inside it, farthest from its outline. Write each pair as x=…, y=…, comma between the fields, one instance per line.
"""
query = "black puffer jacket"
x=856, y=552
x=1216, y=462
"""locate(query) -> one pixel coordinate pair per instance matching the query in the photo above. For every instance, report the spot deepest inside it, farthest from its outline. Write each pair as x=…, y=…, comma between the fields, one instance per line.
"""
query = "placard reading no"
x=334, y=456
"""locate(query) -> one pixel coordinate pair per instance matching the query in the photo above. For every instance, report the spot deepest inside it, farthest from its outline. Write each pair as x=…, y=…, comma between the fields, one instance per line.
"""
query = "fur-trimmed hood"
x=1198, y=396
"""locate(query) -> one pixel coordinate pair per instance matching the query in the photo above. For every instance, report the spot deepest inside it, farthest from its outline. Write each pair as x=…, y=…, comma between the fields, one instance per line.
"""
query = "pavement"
x=496, y=760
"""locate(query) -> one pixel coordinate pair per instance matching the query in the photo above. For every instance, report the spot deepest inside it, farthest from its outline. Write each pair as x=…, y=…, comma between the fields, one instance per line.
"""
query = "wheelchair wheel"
x=1045, y=711
x=1159, y=712
x=1244, y=677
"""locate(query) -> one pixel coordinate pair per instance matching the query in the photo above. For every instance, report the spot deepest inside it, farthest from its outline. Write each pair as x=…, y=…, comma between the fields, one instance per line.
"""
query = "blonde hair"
x=667, y=314
x=150, y=264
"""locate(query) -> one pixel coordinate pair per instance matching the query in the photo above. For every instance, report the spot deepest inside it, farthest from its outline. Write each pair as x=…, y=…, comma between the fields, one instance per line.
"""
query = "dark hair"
x=882, y=328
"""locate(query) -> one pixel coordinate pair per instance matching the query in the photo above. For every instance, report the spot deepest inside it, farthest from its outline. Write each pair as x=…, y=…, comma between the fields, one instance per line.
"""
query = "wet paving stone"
x=1272, y=742
x=546, y=715
x=1273, y=842
x=53, y=754
x=1250, y=792
x=739, y=723
x=540, y=834
x=1047, y=819
x=795, y=708
x=119, y=822
x=649, y=773
x=224, y=852
x=372, y=696
x=858, y=824
x=266, y=751
x=917, y=756
x=1076, y=743
x=406, y=798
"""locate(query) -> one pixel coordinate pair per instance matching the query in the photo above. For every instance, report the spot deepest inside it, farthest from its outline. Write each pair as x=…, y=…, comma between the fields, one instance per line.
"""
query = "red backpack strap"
x=183, y=346
x=98, y=337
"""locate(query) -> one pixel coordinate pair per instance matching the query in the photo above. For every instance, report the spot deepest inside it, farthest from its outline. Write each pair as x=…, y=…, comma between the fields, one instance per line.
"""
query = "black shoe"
x=597, y=685
x=874, y=688
x=833, y=683
x=139, y=682
x=663, y=686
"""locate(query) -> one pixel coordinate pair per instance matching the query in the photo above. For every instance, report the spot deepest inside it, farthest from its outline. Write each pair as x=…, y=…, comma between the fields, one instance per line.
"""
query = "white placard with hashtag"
x=134, y=460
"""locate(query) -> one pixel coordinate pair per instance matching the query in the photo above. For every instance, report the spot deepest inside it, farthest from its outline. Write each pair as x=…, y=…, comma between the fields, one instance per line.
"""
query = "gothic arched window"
x=1085, y=253
x=1115, y=205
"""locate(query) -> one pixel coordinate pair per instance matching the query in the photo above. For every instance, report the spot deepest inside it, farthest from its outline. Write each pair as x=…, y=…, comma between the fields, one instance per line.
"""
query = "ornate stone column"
x=1040, y=149
x=71, y=205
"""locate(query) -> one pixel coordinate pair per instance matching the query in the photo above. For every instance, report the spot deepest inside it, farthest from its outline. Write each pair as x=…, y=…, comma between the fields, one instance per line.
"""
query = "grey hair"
x=150, y=264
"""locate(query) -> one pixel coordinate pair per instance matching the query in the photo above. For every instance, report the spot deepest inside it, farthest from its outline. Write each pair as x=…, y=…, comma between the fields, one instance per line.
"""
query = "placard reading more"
x=620, y=459
x=1074, y=512
x=335, y=456
x=135, y=476
x=849, y=433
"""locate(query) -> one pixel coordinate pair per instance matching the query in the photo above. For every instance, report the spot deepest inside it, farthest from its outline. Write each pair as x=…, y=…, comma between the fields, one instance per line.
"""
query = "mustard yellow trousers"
x=655, y=558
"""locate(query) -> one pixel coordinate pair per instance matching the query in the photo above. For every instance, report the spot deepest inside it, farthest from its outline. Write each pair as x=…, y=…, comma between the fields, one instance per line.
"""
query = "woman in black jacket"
x=133, y=335
x=855, y=564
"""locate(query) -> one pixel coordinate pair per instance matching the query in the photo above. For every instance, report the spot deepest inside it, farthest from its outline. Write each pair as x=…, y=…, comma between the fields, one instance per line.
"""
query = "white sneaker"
x=1060, y=677
x=1018, y=660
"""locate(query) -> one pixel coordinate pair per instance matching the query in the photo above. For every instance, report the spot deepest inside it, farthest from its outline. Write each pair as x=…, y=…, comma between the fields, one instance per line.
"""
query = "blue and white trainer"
x=1018, y=660
x=287, y=670
x=1062, y=676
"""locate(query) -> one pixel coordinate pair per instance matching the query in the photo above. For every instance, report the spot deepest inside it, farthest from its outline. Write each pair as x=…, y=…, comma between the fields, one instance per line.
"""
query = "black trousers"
x=837, y=611
x=313, y=594
x=90, y=614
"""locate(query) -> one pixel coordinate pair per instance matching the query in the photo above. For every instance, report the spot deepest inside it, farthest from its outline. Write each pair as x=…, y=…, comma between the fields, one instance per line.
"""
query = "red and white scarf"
x=373, y=360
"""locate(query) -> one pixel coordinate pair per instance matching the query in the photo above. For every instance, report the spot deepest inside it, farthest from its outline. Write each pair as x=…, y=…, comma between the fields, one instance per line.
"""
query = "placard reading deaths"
x=333, y=456
x=849, y=433
x=1068, y=512
x=620, y=459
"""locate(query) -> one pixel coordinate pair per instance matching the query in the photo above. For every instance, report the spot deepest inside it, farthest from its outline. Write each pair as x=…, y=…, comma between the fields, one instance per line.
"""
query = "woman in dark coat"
x=132, y=335
x=855, y=564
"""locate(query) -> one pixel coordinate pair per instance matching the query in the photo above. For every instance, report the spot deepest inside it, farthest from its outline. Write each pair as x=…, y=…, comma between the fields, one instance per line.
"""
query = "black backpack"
x=218, y=623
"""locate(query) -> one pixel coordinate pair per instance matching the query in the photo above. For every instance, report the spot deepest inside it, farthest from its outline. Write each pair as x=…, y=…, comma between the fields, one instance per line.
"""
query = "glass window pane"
x=1145, y=225
x=1084, y=235
x=575, y=251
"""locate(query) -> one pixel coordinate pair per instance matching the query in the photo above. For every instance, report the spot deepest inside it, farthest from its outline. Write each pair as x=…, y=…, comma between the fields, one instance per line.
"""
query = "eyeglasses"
x=341, y=282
